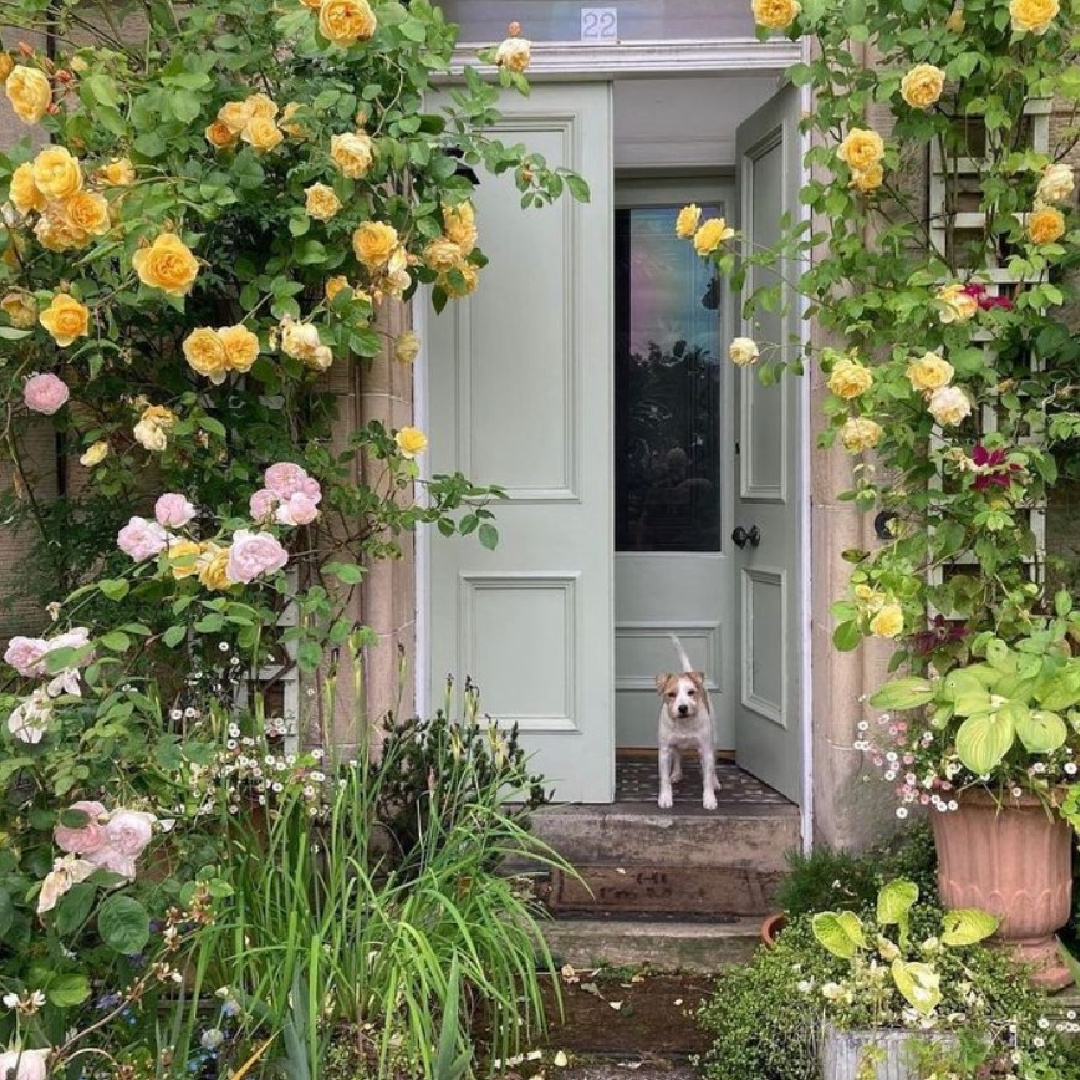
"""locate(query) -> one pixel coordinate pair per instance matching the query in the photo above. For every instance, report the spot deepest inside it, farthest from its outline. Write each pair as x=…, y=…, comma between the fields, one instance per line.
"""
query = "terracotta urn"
x=1011, y=857
x=771, y=927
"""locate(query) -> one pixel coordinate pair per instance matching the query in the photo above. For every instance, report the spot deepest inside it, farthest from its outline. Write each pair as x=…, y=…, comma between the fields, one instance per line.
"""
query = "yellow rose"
x=241, y=347
x=220, y=136
x=407, y=347
x=118, y=173
x=301, y=341
x=922, y=86
x=7, y=65
x=867, y=180
x=334, y=285
x=21, y=308
x=514, y=54
x=410, y=441
x=261, y=106
x=29, y=92
x=395, y=278
x=321, y=201
x=1046, y=225
x=56, y=173
x=205, y=353
x=776, y=14
x=859, y=433
x=1056, y=183
x=873, y=599
x=711, y=235
x=957, y=305
x=687, y=222
x=955, y=21
x=236, y=115
x=929, y=372
x=1033, y=16
x=452, y=285
x=213, y=567
x=353, y=153
x=345, y=22
x=743, y=351
x=23, y=192
x=442, y=254
x=262, y=134
x=167, y=264
x=95, y=454
x=152, y=430
x=949, y=406
x=183, y=558
x=88, y=212
x=849, y=379
x=55, y=232
x=459, y=223
x=888, y=622
x=66, y=319
x=374, y=242
x=861, y=149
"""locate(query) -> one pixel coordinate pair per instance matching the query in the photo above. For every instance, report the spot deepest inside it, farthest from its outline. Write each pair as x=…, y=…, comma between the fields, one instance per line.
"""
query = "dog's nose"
x=683, y=710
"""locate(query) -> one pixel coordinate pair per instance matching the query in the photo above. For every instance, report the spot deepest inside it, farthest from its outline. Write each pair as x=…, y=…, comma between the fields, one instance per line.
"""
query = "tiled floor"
x=636, y=781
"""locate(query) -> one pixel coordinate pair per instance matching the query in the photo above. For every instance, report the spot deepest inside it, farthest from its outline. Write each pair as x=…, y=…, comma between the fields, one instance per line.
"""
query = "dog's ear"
x=661, y=682
x=698, y=677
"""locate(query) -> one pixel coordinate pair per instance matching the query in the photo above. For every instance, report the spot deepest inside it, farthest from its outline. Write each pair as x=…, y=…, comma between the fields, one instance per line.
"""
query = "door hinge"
x=736, y=448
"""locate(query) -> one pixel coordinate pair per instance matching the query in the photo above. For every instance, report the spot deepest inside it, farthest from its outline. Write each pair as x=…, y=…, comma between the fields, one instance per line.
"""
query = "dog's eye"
x=691, y=693
x=671, y=694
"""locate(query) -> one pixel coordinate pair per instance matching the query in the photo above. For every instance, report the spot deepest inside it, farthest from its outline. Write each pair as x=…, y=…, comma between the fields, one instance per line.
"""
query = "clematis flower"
x=993, y=469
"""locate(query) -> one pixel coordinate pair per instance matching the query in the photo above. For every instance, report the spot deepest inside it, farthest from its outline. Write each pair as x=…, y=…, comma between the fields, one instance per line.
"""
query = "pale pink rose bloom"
x=261, y=504
x=29, y=720
x=85, y=838
x=286, y=480
x=68, y=871
x=129, y=831
x=45, y=393
x=67, y=682
x=108, y=858
x=300, y=509
x=25, y=655
x=253, y=554
x=142, y=539
x=24, y=1064
x=173, y=510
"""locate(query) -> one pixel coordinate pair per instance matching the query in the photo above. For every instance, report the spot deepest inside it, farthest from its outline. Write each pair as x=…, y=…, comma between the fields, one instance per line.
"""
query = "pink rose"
x=286, y=480
x=25, y=655
x=142, y=539
x=86, y=838
x=129, y=831
x=45, y=393
x=253, y=554
x=300, y=509
x=173, y=510
x=108, y=858
x=262, y=504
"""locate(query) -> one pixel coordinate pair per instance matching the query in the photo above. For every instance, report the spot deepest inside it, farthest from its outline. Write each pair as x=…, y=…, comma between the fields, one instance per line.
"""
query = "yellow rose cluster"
x=849, y=379
x=957, y=306
x=30, y=93
x=301, y=341
x=922, y=86
x=66, y=319
x=154, y=426
x=775, y=14
x=345, y=22
x=167, y=264
x=862, y=152
x=931, y=375
x=379, y=250
x=204, y=560
x=214, y=353
x=252, y=121
x=707, y=236
x=1033, y=16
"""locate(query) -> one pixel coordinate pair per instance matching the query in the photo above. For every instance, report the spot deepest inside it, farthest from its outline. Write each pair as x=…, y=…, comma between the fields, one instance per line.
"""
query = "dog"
x=685, y=721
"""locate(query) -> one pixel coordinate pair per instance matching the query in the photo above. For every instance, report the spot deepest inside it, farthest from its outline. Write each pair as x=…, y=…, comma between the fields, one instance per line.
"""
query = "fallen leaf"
x=561, y=1060
x=619, y=870
x=534, y=1055
x=616, y=1005
x=591, y=988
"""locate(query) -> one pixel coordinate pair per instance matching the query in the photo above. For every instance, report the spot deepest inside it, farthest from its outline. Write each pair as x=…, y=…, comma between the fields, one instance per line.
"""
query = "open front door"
x=768, y=736
x=520, y=396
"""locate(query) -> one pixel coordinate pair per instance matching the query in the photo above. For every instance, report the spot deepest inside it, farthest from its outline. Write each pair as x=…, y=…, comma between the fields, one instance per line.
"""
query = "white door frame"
x=568, y=61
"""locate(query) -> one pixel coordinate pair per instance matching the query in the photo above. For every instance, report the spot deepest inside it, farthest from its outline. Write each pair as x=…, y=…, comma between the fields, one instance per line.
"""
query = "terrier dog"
x=685, y=721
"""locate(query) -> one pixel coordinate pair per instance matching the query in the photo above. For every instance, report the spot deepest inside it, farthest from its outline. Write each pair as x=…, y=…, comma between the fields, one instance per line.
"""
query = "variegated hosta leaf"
x=903, y=694
x=895, y=900
x=983, y=740
x=968, y=926
x=919, y=983
x=840, y=932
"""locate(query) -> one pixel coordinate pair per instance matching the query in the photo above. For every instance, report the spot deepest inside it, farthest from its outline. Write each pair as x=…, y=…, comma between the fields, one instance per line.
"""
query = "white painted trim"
x=421, y=315
x=578, y=60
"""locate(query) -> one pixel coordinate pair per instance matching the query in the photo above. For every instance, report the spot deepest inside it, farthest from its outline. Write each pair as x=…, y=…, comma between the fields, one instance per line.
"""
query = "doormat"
x=681, y=890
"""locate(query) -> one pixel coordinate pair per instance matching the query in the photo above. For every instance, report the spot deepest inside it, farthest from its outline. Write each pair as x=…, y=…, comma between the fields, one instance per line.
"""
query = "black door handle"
x=741, y=537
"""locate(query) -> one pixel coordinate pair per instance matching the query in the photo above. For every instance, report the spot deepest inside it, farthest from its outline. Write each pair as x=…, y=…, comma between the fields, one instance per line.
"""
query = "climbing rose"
x=262, y=503
x=45, y=393
x=285, y=480
x=300, y=509
x=129, y=831
x=253, y=554
x=82, y=839
x=142, y=539
x=173, y=510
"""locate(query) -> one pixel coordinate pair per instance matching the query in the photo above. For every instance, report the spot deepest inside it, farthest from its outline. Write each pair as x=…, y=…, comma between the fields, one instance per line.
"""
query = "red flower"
x=940, y=632
x=994, y=469
x=978, y=291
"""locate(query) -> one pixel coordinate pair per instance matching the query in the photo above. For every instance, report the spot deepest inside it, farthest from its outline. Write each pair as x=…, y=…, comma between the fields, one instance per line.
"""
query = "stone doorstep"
x=701, y=948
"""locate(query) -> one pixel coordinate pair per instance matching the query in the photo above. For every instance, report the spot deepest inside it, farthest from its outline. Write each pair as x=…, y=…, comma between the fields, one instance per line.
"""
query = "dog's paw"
x=708, y=800
x=665, y=800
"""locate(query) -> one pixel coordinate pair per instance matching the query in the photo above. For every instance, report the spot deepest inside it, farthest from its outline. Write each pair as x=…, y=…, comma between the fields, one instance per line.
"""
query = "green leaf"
x=983, y=740
x=577, y=187
x=895, y=900
x=906, y=693
x=124, y=924
x=968, y=926
x=348, y=573
x=309, y=655
x=67, y=991
x=75, y=907
x=846, y=636
x=840, y=932
x=115, y=641
x=1040, y=730
x=173, y=636
x=7, y=912
x=919, y=983
x=488, y=535
x=114, y=588
x=10, y=333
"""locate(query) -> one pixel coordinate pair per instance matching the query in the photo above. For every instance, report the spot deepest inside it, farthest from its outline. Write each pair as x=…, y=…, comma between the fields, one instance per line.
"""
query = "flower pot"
x=771, y=927
x=1013, y=859
x=846, y=1055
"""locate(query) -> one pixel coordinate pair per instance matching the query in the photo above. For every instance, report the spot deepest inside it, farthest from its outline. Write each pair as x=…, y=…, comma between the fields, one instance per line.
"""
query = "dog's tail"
x=680, y=652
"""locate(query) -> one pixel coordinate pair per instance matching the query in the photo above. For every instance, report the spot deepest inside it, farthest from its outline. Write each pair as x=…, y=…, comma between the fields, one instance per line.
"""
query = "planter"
x=847, y=1055
x=771, y=927
x=1013, y=859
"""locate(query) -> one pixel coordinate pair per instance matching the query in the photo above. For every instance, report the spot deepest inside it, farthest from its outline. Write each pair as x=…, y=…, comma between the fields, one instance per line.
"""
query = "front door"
x=520, y=396
x=771, y=632
x=674, y=448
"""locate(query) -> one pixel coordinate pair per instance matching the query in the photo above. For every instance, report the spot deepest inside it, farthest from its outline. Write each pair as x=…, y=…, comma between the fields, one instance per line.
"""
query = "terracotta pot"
x=771, y=927
x=1013, y=859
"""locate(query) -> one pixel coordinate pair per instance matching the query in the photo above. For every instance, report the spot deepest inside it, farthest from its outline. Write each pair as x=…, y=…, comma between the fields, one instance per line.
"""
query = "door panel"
x=768, y=735
x=520, y=392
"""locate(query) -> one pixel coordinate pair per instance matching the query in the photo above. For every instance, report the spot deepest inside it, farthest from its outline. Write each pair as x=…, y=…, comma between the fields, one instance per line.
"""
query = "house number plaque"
x=599, y=24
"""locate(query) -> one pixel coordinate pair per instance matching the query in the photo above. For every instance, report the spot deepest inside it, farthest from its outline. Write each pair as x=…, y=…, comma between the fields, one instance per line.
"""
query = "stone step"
x=700, y=947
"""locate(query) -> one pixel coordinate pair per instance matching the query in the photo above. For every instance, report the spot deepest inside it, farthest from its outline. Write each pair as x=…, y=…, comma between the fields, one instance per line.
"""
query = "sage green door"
x=674, y=455
x=520, y=391
x=771, y=632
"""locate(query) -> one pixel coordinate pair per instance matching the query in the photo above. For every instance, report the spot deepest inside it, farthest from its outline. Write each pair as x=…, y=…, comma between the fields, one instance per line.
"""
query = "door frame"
x=566, y=61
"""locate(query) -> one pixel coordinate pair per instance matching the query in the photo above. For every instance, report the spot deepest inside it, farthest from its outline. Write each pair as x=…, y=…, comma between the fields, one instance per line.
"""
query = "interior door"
x=767, y=534
x=520, y=395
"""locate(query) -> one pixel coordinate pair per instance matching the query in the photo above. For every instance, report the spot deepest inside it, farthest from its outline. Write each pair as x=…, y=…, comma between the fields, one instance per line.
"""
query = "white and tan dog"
x=685, y=722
